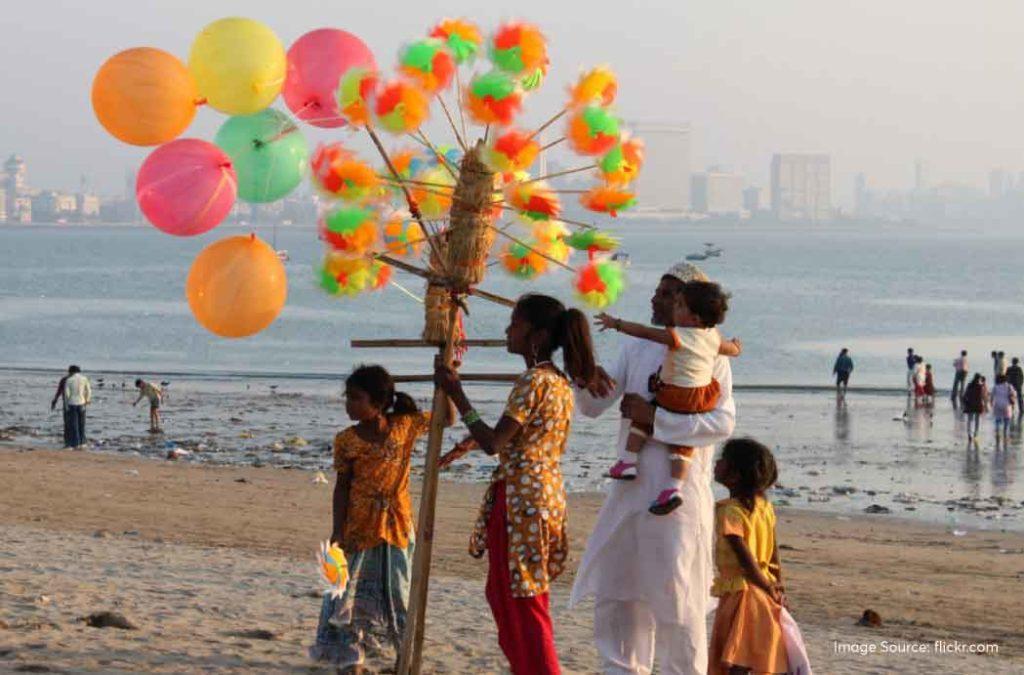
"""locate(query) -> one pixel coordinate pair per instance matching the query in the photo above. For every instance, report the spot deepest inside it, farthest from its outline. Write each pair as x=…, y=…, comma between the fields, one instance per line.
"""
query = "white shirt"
x=691, y=364
x=663, y=561
x=77, y=390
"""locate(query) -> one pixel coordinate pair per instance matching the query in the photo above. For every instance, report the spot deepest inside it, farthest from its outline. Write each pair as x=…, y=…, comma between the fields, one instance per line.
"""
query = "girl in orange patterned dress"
x=747, y=634
x=372, y=518
x=521, y=525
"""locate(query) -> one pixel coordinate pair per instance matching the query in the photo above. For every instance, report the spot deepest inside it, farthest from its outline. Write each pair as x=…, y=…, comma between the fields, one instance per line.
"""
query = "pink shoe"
x=667, y=502
x=622, y=471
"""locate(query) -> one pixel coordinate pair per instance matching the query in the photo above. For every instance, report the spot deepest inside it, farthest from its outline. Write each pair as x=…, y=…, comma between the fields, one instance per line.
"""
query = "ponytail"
x=568, y=330
x=403, y=404
x=577, y=347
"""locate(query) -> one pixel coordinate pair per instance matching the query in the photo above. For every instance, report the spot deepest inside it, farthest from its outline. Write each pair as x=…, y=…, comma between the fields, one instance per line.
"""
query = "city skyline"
x=875, y=86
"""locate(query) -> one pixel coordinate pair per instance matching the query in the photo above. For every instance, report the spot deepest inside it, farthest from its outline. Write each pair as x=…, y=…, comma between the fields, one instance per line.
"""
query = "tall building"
x=18, y=203
x=801, y=187
x=1000, y=182
x=664, y=182
x=716, y=192
x=860, y=195
x=752, y=199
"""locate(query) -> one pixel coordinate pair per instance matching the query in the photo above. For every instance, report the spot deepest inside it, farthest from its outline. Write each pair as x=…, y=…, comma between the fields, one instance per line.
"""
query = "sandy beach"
x=213, y=566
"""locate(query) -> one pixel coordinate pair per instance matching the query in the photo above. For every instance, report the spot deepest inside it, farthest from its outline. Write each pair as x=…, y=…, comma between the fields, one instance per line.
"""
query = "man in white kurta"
x=651, y=575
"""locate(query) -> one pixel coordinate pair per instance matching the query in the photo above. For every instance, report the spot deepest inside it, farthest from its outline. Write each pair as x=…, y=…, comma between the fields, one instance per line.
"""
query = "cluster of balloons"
x=187, y=186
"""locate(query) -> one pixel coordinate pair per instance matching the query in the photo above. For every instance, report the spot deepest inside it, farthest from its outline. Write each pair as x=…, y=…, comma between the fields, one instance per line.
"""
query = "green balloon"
x=268, y=152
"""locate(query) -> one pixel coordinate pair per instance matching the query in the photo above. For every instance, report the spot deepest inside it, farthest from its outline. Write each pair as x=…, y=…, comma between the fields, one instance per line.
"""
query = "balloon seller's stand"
x=458, y=262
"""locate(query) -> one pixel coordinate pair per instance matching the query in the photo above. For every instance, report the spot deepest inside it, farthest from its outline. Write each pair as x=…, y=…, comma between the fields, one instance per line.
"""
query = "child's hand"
x=606, y=321
x=735, y=342
x=458, y=452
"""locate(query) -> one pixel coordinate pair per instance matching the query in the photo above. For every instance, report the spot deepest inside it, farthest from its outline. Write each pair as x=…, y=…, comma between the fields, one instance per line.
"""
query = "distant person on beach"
x=522, y=522
x=747, y=633
x=960, y=367
x=1004, y=400
x=918, y=379
x=911, y=362
x=929, y=385
x=684, y=383
x=974, y=403
x=77, y=395
x=998, y=364
x=152, y=392
x=650, y=576
x=372, y=518
x=842, y=369
x=59, y=395
x=1015, y=378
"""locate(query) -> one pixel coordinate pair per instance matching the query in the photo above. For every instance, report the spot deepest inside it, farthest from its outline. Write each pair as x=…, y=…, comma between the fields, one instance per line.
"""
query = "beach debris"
x=255, y=634
x=843, y=489
x=131, y=472
x=333, y=567
x=277, y=446
x=297, y=442
x=177, y=453
x=320, y=478
x=876, y=508
x=108, y=620
x=245, y=434
x=870, y=618
x=102, y=534
x=241, y=480
x=959, y=533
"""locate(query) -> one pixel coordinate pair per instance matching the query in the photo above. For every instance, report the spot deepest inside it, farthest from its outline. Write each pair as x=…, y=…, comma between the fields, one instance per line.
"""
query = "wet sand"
x=198, y=557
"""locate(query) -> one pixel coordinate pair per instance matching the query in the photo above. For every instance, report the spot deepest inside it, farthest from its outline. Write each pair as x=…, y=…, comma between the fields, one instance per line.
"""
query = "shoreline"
x=178, y=514
x=57, y=372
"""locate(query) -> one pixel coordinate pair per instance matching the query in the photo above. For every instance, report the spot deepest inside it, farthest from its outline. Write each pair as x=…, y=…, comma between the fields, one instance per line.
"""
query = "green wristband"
x=471, y=417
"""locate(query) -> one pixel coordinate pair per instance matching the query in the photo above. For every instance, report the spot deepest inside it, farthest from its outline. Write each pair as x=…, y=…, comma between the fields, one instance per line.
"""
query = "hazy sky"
x=876, y=83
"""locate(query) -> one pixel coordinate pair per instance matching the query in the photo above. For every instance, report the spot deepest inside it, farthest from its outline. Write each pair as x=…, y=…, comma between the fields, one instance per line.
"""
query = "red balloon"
x=186, y=187
x=316, y=61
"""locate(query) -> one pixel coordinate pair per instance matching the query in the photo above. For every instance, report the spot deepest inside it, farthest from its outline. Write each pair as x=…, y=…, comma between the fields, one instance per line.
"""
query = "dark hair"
x=1014, y=360
x=74, y=369
x=843, y=350
x=378, y=384
x=707, y=301
x=927, y=366
x=910, y=350
x=963, y=352
x=918, y=359
x=1000, y=379
x=754, y=466
x=568, y=330
x=138, y=382
x=1001, y=354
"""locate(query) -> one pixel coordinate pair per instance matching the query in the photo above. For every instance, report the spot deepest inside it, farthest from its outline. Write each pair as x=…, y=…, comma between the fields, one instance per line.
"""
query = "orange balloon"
x=144, y=96
x=237, y=286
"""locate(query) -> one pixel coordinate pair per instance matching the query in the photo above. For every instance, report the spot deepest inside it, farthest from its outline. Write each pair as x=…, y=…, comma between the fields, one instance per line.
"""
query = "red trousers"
x=524, y=624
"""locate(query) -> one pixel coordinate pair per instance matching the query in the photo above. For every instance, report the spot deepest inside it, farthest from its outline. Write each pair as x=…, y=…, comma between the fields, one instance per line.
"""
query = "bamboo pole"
x=552, y=144
x=547, y=124
x=467, y=377
x=560, y=173
x=415, y=342
x=440, y=158
x=496, y=299
x=410, y=658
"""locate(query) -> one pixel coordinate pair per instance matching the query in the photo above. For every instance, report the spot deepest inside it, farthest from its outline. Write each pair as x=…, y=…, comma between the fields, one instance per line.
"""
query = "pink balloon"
x=186, y=187
x=316, y=61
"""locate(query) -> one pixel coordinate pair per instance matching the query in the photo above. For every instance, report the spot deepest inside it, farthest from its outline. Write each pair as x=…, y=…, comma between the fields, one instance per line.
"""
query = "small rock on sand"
x=875, y=508
x=109, y=620
x=870, y=618
x=255, y=634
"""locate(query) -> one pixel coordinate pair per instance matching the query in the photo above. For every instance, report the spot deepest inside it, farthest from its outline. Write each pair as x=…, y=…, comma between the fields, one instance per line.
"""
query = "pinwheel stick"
x=547, y=124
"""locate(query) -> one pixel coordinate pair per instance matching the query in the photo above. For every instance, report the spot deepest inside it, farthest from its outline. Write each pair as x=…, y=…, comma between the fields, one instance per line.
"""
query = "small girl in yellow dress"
x=747, y=636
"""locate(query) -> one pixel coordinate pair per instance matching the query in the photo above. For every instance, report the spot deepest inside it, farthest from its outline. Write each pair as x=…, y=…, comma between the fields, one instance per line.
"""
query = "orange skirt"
x=687, y=400
x=747, y=633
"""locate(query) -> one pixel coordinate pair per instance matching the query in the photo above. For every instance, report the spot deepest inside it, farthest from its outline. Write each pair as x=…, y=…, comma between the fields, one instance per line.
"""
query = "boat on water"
x=710, y=251
x=283, y=255
x=621, y=257
x=696, y=256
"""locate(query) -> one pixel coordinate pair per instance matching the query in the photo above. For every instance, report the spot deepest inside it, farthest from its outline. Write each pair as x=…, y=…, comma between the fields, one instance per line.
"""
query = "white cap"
x=686, y=272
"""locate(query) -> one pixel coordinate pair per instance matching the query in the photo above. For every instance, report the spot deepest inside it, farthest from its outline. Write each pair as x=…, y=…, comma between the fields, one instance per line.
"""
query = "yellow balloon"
x=144, y=96
x=238, y=64
x=237, y=286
